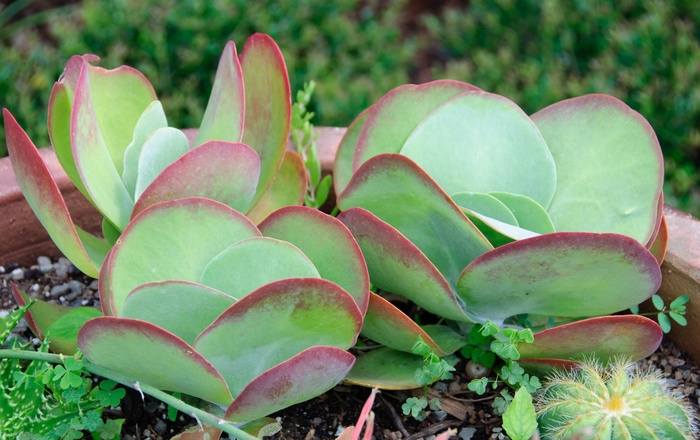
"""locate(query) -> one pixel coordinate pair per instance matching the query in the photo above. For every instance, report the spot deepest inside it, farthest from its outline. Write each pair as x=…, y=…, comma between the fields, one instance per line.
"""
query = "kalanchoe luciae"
x=112, y=139
x=475, y=211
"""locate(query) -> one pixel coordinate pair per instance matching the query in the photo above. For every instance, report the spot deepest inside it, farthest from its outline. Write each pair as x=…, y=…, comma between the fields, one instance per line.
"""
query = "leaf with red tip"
x=268, y=106
x=387, y=325
x=224, y=117
x=386, y=369
x=342, y=165
x=392, y=120
x=169, y=305
x=222, y=171
x=42, y=194
x=275, y=323
x=98, y=172
x=398, y=266
x=311, y=231
x=658, y=248
x=306, y=375
x=630, y=336
x=609, y=166
x=172, y=240
x=197, y=432
x=560, y=274
x=399, y=192
x=288, y=188
x=250, y=264
x=542, y=367
x=162, y=148
x=149, y=354
x=41, y=316
x=482, y=142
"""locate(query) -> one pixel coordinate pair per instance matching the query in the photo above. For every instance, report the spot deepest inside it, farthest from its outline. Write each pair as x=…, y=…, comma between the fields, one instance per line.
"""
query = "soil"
x=327, y=415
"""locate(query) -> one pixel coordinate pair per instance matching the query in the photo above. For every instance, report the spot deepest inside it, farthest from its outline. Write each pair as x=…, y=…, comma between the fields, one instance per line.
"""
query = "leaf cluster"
x=676, y=311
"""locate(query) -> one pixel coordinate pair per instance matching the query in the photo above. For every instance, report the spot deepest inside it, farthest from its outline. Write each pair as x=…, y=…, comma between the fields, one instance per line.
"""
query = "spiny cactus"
x=618, y=402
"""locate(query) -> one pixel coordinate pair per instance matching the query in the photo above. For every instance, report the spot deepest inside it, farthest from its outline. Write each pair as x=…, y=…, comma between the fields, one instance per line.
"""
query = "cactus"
x=618, y=402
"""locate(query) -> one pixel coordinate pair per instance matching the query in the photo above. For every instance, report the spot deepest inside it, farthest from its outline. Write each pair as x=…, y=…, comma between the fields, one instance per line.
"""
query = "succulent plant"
x=615, y=402
x=112, y=139
x=199, y=300
x=474, y=211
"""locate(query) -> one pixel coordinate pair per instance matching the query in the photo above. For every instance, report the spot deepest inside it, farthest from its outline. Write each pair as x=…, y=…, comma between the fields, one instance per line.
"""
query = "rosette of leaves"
x=475, y=211
x=112, y=138
x=198, y=300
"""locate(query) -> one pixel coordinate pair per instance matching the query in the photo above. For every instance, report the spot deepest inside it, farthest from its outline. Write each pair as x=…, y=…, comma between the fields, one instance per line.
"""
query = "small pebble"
x=440, y=386
x=454, y=387
x=61, y=267
x=160, y=427
x=59, y=290
x=317, y=421
x=34, y=288
x=439, y=415
x=45, y=265
x=94, y=285
x=17, y=274
x=672, y=383
x=467, y=433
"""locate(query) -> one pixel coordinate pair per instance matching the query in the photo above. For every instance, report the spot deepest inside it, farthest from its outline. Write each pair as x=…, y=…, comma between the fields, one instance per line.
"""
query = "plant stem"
x=183, y=407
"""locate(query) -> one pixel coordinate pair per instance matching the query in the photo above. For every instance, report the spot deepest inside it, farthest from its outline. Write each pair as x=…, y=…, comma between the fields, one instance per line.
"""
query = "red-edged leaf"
x=149, y=354
x=632, y=336
x=660, y=244
x=222, y=171
x=224, y=116
x=268, y=106
x=398, y=266
x=342, y=166
x=306, y=375
x=42, y=194
x=275, y=323
x=311, y=231
x=288, y=188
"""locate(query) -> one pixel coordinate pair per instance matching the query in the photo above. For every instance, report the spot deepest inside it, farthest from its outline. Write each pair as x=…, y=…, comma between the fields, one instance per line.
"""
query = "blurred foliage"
x=535, y=52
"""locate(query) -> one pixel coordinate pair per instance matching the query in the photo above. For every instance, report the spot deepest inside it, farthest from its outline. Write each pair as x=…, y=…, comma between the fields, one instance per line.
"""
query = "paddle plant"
x=198, y=300
x=477, y=212
x=111, y=136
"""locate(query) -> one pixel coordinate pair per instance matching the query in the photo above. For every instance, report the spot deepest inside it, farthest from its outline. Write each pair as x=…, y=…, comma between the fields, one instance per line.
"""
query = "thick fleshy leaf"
x=302, y=377
x=498, y=233
x=250, y=264
x=162, y=148
x=41, y=316
x=609, y=165
x=275, y=323
x=42, y=194
x=268, y=106
x=658, y=248
x=387, y=325
x=311, y=231
x=93, y=158
x=606, y=337
x=170, y=306
x=224, y=117
x=392, y=120
x=151, y=355
x=486, y=205
x=288, y=188
x=221, y=171
x=552, y=274
x=385, y=368
x=172, y=240
x=110, y=232
x=481, y=142
x=152, y=119
x=398, y=266
x=541, y=367
x=399, y=192
x=342, y=165
x=531, y=215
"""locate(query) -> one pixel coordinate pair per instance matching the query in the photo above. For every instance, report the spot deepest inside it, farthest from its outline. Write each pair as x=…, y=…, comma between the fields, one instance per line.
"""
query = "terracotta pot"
x=23, y=238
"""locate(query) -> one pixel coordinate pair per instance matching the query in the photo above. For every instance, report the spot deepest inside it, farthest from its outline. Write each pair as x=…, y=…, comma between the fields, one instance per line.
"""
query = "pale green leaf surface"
x=161, y=149
x=486, y=205
x=288, y=188
x=531, y=215
x=249, y=264
x=151, y=120
x=520, y=420
x=172, y=240
x=609, y=167
x=170, y=305
x=275, y=323
x=342, y=166
x=385, y=368
x=481, y=142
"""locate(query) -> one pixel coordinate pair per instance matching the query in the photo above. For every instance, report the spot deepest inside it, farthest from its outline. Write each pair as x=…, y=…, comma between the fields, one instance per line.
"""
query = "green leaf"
x=478, y=385
x=68, y=325
x=664, y=322
x=634, y=310
x=520, y=420
x=322, y=190
x=658, y=302
x=680, y=319
x=678, y=302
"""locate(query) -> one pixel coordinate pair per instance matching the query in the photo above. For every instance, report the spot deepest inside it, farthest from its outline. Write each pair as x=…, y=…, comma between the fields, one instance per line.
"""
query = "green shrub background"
x=535, y=52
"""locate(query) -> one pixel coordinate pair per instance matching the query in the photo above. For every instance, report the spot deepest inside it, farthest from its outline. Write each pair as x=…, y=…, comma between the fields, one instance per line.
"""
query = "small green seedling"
x=676, y=311
x=433, y=370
